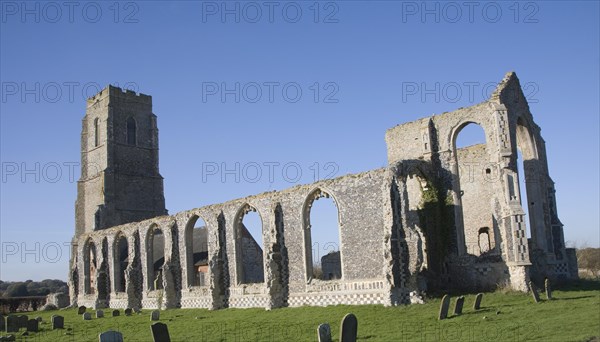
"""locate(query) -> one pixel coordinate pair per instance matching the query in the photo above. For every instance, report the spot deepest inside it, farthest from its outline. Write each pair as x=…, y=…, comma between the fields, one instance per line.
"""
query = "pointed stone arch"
x=312, y=196
x=249, y=253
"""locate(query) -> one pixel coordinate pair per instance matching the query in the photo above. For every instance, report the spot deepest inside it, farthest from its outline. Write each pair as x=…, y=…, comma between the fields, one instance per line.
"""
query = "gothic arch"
x=196, y=245
x=249, y=254
x=312, y=196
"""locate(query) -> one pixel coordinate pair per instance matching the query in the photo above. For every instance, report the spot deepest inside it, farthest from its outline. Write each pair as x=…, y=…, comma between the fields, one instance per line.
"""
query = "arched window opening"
x=131, y=131
x=121, y=263
x=197, y=252
x=473, y=186
x=322, y=235
x=96, y=132
x=249, y=246
x=91, y=265
x=485, y=244
x=156, y=258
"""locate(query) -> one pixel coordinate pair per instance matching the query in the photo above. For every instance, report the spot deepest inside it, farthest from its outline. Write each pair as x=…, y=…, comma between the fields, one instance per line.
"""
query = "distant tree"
x=589, y=259
x=16, y=290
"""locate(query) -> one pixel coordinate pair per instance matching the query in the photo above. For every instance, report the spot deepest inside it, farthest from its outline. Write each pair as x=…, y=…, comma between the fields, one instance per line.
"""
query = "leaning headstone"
x=87, y=316
x=548, y=289
x=324, y=333
x=33, y=325
x=12, y=324
x=534, y=292
x=444, y=306
x=460, y=301
x=81, y=310
x=116, y=313
x=155, y=315
x=110, y=336
x=348, y=328
x=9, y=338
x=160, y=332
x=99, y=314
x=22, y=321
x=58, y=322
x=128, y=312
x=477, y=304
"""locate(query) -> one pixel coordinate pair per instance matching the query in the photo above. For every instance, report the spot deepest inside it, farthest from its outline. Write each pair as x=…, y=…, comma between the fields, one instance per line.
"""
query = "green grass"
x=574, y=315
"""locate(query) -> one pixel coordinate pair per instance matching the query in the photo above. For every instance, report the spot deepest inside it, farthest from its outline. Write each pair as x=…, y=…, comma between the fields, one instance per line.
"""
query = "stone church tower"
x=120, y=181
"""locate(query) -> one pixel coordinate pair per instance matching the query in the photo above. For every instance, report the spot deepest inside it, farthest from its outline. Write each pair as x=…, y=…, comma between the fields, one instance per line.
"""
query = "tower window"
x=96, y=131
x=131, y=131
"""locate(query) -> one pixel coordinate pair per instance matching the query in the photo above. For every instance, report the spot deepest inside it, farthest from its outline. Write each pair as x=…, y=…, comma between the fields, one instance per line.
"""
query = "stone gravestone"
x=348, y=328
x=110, y=336
x=33, y=325
x=460, y=301
x=81, y=310
x=2, y=323
x=99, y=314
x=128, y=312
x=548, y=289
x=58, y=322
x=155, y=315
x=22, y=321
x=324, y=333
x=12, y=324
x=160, y=332
x=87, y=316
x=534, y=292
x=39, y=319
x=444, y=306
x=477, y=304
x=116, y=313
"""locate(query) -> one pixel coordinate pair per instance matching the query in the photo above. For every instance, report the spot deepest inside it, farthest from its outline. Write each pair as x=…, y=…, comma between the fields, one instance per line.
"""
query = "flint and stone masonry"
x=427, y=221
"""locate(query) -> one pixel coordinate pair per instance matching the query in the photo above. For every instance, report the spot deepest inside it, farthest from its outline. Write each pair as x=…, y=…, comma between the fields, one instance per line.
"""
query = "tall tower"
x=120, y=181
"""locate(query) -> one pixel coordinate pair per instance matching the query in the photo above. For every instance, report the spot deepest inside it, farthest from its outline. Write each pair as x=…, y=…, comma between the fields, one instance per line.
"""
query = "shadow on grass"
x=580, y=285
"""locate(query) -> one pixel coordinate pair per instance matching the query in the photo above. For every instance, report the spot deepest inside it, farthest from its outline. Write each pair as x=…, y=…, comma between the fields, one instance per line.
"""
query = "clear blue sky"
x=371, y=61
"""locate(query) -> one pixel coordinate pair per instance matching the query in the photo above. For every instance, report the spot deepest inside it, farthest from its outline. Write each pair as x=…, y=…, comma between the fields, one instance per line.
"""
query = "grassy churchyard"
x=573, y=315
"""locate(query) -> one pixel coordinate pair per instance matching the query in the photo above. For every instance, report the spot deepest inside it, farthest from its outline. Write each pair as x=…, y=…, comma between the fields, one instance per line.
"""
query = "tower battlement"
x=114, y=92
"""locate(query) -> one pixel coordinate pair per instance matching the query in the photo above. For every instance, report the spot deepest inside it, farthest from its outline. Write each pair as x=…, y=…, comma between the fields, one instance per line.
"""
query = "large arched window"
x=121, y=262
x=131, y=131
x=474, y=186
x=156, y=258
x=90, y=267
x=249, y=246
x=322, y=237
x=196, y=242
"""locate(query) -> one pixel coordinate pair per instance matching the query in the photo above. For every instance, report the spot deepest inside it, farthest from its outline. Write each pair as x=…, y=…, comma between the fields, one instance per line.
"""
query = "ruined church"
x=425, y=222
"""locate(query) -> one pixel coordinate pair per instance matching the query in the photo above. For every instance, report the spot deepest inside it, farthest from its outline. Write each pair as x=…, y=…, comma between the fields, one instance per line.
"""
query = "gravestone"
x=39, y=319
x=87, y=316
x=116, y=313
x=324, y=333
x=2, y=323
x=22, y=321
x=99, y=314
x=110, y=336
x=33, y=325
x=81, y=310
x=444, y=306
x=534, y=292
x=12, y=324
x=348, y=328
x=160, y=332
x=128, y=312
x=460, y=301
x=477, y=304
x=155, y=315
x=548, y=289
x=58, y=322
